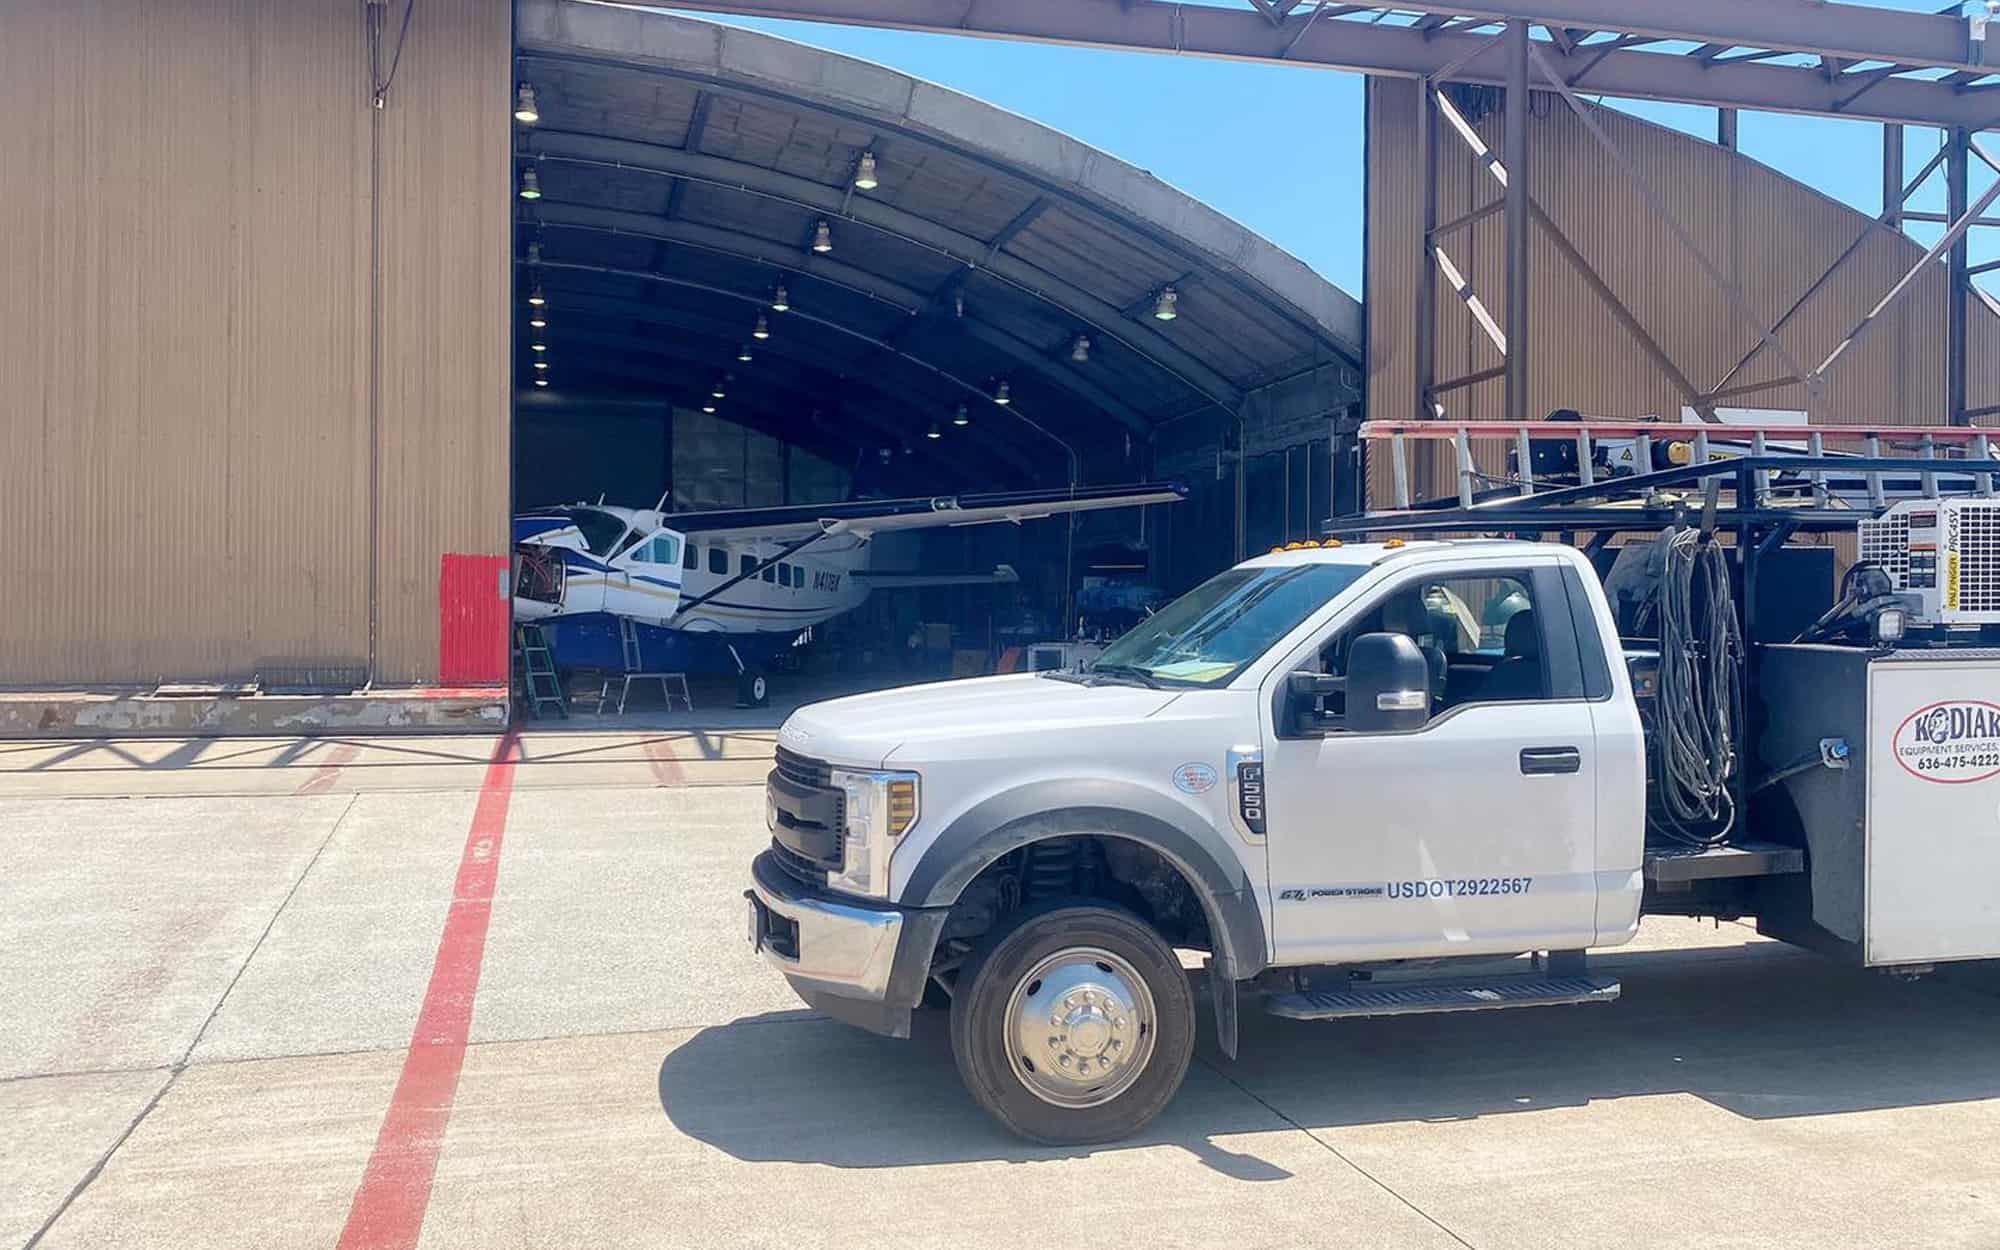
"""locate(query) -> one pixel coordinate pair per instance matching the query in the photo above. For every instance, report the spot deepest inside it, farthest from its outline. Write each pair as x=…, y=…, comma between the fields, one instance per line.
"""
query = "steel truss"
x=1801, y=56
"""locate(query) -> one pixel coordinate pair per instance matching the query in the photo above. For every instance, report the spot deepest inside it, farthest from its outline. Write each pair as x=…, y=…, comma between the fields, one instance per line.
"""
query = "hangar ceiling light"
x=719, y=390
x=708, y=408
x=524, y=105
x=763, y=330
x=959, y=415
x=540, y=347
x=743, y=353
x=822, y=237
x=531, y=186
x=1079, y=348
x=934, y=431
x=538, y=319
x=536, y=298
x=780, y=301
x=864, y=172
x=541, y=381
x=1001, y=395
x=1164, y=310
x=541, y=364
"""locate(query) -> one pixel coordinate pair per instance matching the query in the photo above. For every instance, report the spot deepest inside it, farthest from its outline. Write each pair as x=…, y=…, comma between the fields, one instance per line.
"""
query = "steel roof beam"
x=1402, y=51
x=903, y=299
x=794, y=372
x=787, y=395
x=966, y=386
x=1848, y=32
x=1102, y=317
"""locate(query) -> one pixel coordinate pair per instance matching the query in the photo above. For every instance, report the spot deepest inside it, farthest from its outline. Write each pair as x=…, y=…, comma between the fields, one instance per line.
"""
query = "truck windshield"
x=1211, y=633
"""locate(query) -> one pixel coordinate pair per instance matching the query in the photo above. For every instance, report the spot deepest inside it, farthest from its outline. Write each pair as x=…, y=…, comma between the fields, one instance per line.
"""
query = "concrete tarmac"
x=217, y=956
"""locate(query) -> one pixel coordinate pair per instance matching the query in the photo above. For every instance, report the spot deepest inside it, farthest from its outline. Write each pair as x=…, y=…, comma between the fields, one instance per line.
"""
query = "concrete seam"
x=73, y=1073
x=1333, y=1150
x=102, y=1161
x=270, y=924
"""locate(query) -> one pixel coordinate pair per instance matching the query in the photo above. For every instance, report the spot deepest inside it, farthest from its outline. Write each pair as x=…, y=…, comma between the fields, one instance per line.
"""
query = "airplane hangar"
x=754, y=274
x=322, y=301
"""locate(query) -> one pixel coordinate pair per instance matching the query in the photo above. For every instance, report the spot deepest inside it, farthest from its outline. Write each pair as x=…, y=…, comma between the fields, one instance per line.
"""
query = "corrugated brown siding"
x=1774, y=234
x=446, y=283
x=185, y=483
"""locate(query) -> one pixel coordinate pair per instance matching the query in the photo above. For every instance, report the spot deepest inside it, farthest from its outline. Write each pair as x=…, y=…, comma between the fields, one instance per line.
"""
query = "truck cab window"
x=1481, y=637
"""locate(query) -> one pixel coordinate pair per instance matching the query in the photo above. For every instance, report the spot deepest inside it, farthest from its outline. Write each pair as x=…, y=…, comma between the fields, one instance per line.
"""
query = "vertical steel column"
x=1892, y=176
x=1958, y=147
x=1725, y=128
x=1515, y=158
x=1424, y=343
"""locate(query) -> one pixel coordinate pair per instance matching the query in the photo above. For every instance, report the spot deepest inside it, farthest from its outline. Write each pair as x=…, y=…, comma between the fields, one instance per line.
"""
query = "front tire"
x=753, y=688
x=1074, y=1025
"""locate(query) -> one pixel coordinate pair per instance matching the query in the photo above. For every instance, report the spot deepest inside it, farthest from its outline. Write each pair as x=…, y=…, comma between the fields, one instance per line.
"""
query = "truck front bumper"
x=862, y=962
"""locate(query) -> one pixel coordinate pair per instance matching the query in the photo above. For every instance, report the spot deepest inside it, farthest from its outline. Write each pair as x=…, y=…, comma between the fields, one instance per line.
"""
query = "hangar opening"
x=813, y=360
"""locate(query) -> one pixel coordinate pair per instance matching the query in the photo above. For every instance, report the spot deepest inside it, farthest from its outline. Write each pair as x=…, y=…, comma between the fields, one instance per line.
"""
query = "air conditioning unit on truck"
x=1371, y=778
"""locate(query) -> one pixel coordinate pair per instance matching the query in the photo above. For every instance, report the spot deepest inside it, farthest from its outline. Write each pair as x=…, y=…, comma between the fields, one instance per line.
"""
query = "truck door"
x=1472, y=834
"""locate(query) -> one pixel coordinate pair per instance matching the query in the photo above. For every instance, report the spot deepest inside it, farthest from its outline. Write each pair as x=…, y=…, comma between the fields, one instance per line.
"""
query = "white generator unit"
x=1944, y=554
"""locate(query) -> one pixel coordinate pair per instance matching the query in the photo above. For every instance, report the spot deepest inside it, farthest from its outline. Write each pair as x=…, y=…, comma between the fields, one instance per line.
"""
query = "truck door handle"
x=1551, y=760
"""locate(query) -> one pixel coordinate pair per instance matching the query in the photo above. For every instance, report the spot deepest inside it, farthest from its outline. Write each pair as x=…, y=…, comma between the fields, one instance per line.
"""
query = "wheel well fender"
x=1035, y=813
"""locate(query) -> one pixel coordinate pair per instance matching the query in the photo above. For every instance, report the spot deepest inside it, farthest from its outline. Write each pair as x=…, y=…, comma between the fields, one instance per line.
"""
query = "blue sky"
x=1279, y=148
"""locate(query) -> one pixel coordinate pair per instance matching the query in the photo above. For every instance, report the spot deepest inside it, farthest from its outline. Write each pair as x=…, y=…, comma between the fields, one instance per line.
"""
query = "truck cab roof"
x=1336, y=551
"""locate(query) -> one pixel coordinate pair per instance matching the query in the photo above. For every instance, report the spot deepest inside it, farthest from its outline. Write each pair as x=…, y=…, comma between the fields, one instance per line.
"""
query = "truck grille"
x=806, y=772
x=807, y=838
x=797, y=866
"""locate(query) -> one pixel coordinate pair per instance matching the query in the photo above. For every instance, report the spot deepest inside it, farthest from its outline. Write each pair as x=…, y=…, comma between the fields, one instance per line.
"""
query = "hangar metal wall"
x=192, y=290
x=1777, y=235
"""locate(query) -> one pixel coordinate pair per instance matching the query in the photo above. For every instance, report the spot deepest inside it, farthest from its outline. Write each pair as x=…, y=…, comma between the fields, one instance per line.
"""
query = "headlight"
x=879, y=808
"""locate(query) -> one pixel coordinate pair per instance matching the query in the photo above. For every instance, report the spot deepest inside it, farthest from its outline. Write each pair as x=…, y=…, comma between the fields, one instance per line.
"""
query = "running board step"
x=1413, y=998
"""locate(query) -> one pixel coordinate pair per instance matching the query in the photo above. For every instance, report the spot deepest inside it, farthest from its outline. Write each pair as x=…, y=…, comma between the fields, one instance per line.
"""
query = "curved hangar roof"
x=685, y=168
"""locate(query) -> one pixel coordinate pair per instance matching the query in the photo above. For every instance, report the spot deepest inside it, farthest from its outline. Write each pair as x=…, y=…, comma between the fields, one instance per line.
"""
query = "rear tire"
x=1074, y=1024
x=753, y=688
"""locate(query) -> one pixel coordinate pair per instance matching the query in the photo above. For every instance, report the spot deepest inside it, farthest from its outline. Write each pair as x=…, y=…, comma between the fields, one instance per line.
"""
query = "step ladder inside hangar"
x=535, y=672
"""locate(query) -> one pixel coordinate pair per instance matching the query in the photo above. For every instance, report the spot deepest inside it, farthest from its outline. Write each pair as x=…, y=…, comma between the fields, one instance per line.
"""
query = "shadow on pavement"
x=794, y=1086
x=1764, y=1032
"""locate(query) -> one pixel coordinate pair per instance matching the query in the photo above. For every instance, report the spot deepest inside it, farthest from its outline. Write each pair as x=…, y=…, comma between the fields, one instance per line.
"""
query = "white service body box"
x=1933, y=819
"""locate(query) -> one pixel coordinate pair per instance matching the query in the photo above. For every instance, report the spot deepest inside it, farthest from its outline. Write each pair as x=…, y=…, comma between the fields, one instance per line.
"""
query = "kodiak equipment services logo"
x=1953, y=742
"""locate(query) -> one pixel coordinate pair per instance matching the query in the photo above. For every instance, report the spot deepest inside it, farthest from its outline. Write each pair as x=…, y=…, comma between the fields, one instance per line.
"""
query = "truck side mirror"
x=1388, y=684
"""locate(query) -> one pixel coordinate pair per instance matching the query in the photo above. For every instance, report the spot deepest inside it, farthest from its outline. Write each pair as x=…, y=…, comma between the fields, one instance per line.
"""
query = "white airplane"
x=728, y=591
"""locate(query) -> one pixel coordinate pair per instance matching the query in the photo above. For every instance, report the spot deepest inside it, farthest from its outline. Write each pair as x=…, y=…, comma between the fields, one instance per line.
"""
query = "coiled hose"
x=1701, y=693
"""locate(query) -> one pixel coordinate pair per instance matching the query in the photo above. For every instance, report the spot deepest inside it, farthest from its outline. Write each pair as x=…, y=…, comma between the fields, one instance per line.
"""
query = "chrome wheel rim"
x=1080, y=1027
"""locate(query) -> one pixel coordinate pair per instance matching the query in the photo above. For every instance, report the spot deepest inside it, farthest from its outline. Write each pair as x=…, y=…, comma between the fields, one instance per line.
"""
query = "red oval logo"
x=1953, y=742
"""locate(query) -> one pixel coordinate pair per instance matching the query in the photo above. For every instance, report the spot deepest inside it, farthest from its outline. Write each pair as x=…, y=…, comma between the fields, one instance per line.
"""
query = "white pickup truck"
x=1356, y=778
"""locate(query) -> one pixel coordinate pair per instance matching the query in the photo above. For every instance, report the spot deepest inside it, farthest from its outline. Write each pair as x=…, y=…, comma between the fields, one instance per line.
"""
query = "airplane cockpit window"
x=666, y=549
x=601, y=530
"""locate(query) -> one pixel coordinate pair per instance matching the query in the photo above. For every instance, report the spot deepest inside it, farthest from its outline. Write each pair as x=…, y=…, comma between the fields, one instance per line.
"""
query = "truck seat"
x=1519, y=674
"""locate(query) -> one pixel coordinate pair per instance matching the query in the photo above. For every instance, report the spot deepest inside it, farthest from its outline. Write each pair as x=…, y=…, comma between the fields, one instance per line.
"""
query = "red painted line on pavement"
x=326, y=774
x=388, y=1209
x=666, y=765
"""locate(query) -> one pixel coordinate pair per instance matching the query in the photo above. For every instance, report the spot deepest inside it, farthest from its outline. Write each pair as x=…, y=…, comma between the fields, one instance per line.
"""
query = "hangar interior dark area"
x=752, y=274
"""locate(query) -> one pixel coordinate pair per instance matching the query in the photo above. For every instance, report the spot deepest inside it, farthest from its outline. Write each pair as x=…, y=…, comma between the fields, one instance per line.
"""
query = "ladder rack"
x=1831, y=462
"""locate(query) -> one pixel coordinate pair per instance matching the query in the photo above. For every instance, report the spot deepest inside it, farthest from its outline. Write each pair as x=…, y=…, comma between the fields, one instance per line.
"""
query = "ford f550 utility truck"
x=1406, y=776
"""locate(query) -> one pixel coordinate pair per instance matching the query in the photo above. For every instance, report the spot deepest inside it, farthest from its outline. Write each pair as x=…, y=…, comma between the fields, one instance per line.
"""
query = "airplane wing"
x=866, y=517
